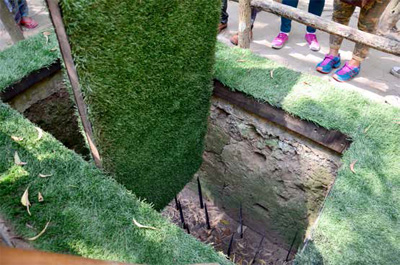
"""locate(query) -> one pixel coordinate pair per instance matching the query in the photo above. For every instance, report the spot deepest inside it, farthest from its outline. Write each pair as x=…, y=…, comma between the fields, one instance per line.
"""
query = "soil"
x=9, y=238
x=56, y=115
x=253, y=248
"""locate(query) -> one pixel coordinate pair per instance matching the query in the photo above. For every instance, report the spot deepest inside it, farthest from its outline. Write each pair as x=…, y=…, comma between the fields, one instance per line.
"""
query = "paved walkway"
x=374, y=81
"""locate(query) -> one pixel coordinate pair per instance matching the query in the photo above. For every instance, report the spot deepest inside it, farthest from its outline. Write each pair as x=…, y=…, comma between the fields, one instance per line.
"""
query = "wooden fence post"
x=65, y=49
x=388, y=21
x=244, y=23
x=9, y=23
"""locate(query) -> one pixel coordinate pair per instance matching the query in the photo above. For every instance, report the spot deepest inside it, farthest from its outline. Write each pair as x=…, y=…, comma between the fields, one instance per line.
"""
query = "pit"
x=264, y=181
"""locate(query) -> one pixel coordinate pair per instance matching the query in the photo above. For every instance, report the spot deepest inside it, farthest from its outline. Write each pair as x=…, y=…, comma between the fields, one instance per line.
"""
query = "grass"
x=360, y=223
x=146, y=70
x=90, y=213
x=26, y=57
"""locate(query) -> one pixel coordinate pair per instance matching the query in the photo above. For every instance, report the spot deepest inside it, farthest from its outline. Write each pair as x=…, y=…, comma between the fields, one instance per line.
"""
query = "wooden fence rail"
x=374, y=41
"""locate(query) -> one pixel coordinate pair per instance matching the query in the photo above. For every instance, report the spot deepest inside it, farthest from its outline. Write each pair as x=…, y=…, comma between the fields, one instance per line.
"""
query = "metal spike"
x=291, y=246
x=241, y=220
x=200, y=193
x=176, y=203
x=230, y=246
x=181, y=214
x=258, y=251
x=207, y=217
x=187, y=228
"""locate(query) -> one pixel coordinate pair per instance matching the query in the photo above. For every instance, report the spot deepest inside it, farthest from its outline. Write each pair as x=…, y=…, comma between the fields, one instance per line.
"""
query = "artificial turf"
x=360, y=222
x=90, y=213
x=26, y=57
x=146, y=69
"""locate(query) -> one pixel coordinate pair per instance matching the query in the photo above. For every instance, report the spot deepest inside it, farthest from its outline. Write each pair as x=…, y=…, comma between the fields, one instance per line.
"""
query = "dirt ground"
x=9, y=238
x=374, y=81
x=253, y=248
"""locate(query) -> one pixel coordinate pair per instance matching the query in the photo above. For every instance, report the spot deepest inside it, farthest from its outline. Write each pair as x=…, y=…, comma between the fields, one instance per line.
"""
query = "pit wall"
x=280, y=178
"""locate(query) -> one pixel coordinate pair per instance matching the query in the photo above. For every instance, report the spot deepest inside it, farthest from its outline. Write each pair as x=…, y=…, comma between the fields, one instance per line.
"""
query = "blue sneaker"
x=346, y=73
x=329, y=62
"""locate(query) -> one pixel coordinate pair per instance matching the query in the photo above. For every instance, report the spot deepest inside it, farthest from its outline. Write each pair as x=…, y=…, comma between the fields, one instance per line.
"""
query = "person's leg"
x=286, y=24
x=23, y=8
x=224, y=16
x=235, y=38
x=315, y=7
x=368, y=22
x=341, y=14
x=25, y=20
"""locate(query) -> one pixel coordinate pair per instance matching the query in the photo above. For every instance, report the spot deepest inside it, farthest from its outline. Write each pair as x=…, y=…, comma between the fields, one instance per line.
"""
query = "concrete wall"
x=280, y=178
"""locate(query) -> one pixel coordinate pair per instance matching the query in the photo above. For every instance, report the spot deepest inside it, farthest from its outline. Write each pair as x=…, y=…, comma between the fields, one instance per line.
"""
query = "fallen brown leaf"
x=271, y=73
x=352, y=166
x=53, y=49
x=40, y=133
x=40, y=197
x=44, y=176
x=17, y=139
x=241, y=61
x=17, y=160
x=142, y=226
x=41, y=233
x=25, y=200
x=397, y=122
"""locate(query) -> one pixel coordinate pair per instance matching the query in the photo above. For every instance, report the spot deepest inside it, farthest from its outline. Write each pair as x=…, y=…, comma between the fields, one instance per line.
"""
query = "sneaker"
x=330, y=62
x=346, y=73
x=395, y=71
x=235, y=38
x=222, y=26
x=312, y=41
x=280, y=40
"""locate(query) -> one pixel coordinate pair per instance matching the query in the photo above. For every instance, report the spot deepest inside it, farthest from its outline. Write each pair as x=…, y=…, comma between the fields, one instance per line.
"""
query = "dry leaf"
x=17, y=160
x=224, y=222
x=44, y=176
x=40, y=197
x=25, y=200
x=41, y=233
x=53, y=49
x=241, y=61
x=143, y=226
x=46, y=34
x=397, y=122
x=17, y=139
x=40, y=133
x=352, y=166
x=271, y=73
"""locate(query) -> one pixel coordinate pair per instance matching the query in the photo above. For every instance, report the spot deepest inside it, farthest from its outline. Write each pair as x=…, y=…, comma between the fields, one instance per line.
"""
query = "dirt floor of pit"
x=253, y=248
x=8, y=237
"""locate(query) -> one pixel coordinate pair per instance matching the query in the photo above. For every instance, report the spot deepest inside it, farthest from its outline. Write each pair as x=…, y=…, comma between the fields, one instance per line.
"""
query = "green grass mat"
x=26, y=57
x=360, y=223
x=90, y=214
x=146, y=70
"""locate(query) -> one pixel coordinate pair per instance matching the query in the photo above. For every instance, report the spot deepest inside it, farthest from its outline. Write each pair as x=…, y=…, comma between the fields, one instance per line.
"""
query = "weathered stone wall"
x=280, y=178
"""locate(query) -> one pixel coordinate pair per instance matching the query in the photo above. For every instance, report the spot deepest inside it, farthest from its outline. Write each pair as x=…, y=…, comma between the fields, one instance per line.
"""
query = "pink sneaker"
x=280, y=40
x=312, y=41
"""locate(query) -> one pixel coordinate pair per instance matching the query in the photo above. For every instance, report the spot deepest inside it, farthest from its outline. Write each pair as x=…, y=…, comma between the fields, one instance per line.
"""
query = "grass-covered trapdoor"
x=146, y=69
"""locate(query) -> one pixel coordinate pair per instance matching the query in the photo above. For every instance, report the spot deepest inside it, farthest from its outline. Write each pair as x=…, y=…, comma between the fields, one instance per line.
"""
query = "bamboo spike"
x=200, y=193
x=187, y=228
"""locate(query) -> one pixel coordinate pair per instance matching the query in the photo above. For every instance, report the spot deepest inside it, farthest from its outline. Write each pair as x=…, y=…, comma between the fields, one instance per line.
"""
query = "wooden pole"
x=65, y=48
x=388, y=21
x=9, y=23
x=377, y=42
x=244, y=24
